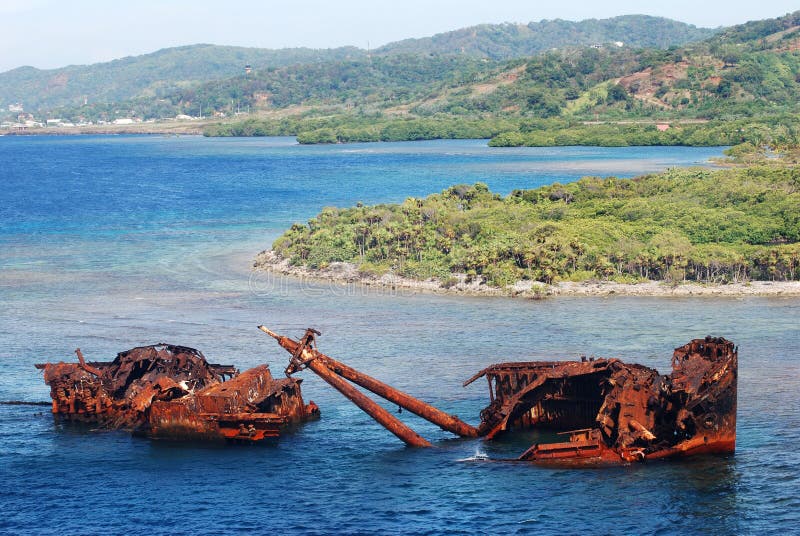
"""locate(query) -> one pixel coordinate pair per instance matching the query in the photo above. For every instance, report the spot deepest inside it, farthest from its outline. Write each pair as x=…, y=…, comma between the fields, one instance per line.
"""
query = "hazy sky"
x=54, y=33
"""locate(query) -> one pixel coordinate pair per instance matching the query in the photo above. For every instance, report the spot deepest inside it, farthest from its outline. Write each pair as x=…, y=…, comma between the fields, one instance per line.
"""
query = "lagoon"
x=110, y=242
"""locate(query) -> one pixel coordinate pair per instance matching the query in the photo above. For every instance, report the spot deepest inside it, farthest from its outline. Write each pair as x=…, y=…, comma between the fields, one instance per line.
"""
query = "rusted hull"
x=619, y=413
x=171, y=392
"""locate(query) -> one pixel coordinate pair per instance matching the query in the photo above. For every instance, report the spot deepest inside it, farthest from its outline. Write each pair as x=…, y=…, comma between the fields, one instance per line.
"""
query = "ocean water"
x=112, y=242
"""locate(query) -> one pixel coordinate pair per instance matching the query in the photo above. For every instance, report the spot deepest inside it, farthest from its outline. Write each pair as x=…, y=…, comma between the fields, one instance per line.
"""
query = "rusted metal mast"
x=444, y=420
x=303, y=355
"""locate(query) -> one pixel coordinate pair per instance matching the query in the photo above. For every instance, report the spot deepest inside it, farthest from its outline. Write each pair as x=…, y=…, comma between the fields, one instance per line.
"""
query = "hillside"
x=749, y=73
x=149, y=75
x=507, y=41
x=747, y=69
x=164, y=72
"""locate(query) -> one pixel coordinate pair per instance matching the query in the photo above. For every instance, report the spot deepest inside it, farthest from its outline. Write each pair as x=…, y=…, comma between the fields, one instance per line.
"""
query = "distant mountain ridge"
x=506, y=41
x=155, y=74
x=165, y=71
x=750, y=68
x=748, y=71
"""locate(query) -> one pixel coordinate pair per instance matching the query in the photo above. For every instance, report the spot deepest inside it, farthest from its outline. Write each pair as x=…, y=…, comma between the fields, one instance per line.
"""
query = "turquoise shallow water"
x=112, y=242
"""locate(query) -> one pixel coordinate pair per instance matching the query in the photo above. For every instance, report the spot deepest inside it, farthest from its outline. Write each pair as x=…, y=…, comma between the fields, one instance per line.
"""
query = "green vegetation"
x=742, y=85
x=357, y=83
x=776, y=131
x=146, y=78
x=165, y=74
x=504, y=81
x=779, y=131
x=693, y=224
x=507, y=41
x=365, y=128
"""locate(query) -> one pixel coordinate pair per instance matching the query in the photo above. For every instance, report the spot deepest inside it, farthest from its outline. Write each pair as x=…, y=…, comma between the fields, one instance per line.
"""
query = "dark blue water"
x=111, y=242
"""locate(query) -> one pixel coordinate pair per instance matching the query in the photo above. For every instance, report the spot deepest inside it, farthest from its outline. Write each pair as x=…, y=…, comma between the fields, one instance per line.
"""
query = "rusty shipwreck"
x=168, y=391
x=610, y=412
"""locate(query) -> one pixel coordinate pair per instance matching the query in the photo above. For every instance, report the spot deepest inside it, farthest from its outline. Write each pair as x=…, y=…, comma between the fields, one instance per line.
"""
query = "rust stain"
x=167, y=391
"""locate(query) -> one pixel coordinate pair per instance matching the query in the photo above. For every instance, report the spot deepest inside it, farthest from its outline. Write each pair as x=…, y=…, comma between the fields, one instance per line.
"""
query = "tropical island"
x=683, y=231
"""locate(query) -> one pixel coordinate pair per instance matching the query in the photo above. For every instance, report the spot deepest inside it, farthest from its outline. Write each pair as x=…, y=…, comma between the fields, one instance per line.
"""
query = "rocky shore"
x=348, y=273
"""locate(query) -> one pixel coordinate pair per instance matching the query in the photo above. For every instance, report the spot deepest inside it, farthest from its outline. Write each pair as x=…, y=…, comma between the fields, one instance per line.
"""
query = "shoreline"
x=346, y=273
x=178, y=129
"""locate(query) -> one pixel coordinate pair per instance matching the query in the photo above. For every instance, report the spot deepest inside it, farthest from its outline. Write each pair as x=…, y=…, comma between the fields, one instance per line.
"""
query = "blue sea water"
x=112, y=242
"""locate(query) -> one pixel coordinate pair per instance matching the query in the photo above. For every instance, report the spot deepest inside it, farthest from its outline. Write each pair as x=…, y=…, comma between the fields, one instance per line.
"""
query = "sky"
x=54, y=33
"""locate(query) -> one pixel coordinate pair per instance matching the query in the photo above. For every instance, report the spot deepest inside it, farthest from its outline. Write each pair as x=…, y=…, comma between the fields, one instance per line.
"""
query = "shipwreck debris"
x=305, y=355
x=168, y=391
x=610, y=411
x=616, y=412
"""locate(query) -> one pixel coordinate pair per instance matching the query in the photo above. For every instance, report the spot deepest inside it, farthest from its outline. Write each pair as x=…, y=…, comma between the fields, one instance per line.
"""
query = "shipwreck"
x=168, y=391
x=610, y=412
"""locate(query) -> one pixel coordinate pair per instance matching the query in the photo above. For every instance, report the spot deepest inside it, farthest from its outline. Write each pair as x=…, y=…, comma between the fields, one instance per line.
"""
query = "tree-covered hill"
x=741, y=86
x=148, y=75
x=751, y=71
x=163, y=72
x=748, y=71
x=694, y=224
x=507, y=41
x=382, y=80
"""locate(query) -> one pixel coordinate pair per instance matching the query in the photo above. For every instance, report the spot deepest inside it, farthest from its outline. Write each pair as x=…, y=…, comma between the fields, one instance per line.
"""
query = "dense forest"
x=775, y=131
x=367, y=128
x=730, y=225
